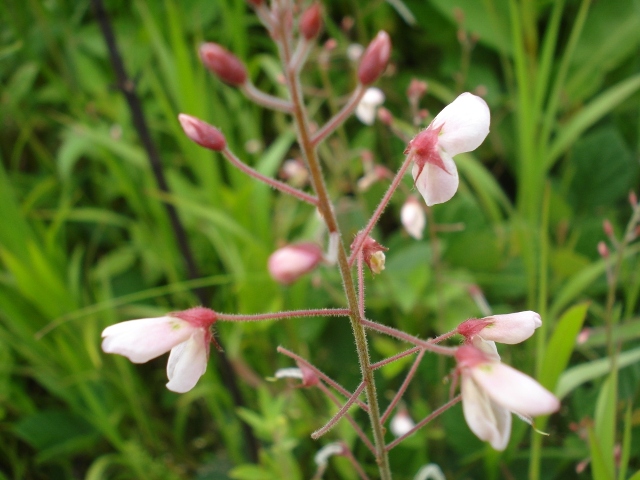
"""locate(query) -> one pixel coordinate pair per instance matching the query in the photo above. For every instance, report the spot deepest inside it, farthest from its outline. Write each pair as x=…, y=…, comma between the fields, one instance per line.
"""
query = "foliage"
x=86, y=241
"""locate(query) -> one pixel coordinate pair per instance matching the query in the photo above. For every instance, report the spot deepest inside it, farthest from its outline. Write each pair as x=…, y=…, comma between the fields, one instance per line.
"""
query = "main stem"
x=326, y=210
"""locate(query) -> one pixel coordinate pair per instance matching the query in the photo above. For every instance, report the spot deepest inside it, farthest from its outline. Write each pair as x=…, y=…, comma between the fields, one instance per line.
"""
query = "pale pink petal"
x=514, y=390
x=187, y=363
x=147, y=338
x=465, y=124
x=511, y=328
x=487, y=347
x=413, y=217
x=435, y=184
x=487, y=420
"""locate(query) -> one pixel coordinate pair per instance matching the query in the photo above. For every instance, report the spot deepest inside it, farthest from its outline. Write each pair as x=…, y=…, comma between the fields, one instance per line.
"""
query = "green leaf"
x=561, y=345
x=252, y=472
x=590, y=114
x=598, y=466
x=407, y=274
x=605, y=421
x=576, y=376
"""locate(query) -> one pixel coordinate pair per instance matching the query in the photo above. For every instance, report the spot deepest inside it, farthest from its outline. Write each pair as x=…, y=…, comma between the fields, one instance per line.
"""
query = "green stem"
x=326, y=210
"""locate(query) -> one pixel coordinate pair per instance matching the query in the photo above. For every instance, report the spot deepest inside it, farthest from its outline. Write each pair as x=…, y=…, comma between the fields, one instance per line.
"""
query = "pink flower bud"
x=511, y=328
x=373, y=254
x=633, y=199
x=223, y=63
x=416, y=90
x=374, y=59
x=202, y=133
x=413, y=217
x=311, y=21
x=603, y=250
x=607, y=228
x=385, y=116
x=289, y=263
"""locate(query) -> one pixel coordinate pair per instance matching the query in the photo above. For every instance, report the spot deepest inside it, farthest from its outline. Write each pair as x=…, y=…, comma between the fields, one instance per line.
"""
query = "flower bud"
x=311, y=21
x=633, y=199
x=289, y=263
x=607, y=228
x=401, y=423
x=603, y=250
x=413, y=217
x=373, y=254
x=374, y=59
x=223, y=63
x=202, y=133
x=416, y=90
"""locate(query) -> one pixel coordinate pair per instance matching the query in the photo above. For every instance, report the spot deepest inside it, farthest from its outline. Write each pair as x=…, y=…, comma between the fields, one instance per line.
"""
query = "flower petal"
x=465, y=124
x=514, y=390
x=511, y=328
x=147, y=338
x=366, y=109
x=187, y=363
x=435, y=184
x=486, y=419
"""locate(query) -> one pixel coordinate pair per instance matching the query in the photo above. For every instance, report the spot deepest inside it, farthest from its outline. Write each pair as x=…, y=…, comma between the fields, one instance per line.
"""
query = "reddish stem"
x=322, y=312
x=398, y=356
x=283, y=187
x=364, y=234
x=331, y=423
x=335, y=121
x=399, y=334
x=403, y=387
x=421, y=424
x=323, y=376
x=356, y=465
x=264, y=99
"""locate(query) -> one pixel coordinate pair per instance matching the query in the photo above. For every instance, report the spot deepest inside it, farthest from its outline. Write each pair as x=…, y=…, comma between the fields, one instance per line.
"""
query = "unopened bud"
x=413, y=217
x=373, y=254
x=603, y=250
x=607, y=228
x=223, y=63
x=633, y=199
x=385, y=116
x=416, y=90
x=289, y=263
x=375, y=59
x=311, y=21
x=202, y=133
x=583, y=336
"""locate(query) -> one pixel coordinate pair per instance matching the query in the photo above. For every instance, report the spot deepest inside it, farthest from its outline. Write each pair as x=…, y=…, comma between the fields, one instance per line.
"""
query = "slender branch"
x=398, y=356
x=399, y=334
x=337, y=120
x=349, y=418
x=426, y=420
x=362, y=236
x=264, y=99
x=331, y=423
x=360, y=270
x=403, y=387
x=127, y=86
x=322, y=312
x=354, y=462
x=330, y=381
x=300, y=54
x=283, y=187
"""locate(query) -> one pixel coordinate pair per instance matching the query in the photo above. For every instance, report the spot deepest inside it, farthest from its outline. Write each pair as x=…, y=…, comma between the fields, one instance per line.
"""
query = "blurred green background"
x=85, y=241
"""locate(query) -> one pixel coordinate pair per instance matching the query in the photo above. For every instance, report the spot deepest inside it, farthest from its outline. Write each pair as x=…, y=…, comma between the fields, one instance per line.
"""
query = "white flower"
x=186, y=334
x=492, y=390
x=510, y=328
x=401, y=423
x=413, y=217
x=368, y=105
x=460, y=127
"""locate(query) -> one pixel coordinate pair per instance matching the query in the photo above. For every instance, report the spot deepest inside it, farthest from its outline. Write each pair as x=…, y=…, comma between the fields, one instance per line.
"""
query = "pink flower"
x=492, y=390
x=289, y=263
x=460, y=127
x=186, y=334
x=510, y=328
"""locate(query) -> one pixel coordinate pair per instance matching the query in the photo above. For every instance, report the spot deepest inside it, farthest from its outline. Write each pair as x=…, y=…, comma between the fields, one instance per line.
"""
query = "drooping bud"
x=202, y=133
x=374, y=59
x=413, y=217
x=289, y=263
x=223, y=63
x=603, y=250
x=373, y=254
x=311, y=21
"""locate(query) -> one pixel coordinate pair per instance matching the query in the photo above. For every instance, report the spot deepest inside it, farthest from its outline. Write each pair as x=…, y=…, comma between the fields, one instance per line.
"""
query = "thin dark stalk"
x=127, y=86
